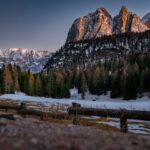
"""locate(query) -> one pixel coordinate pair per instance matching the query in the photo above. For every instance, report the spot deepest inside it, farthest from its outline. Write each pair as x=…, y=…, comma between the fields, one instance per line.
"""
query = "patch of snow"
x=137, y=126
x=103, y=101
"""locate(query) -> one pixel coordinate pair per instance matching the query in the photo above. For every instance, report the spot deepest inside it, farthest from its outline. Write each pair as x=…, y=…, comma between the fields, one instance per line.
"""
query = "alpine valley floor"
x=103, y=101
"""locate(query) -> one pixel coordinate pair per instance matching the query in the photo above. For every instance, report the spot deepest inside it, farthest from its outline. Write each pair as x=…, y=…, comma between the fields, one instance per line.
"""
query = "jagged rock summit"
x=91, y=26
x=128, y=22
x=101, y=23
x=120, y=21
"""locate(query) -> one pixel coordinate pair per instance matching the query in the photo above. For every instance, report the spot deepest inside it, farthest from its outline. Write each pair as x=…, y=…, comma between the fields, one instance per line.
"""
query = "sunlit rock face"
x=128, y=22
x=120, y=21
x=135, y=24
x=91, y=26
x=101, y=23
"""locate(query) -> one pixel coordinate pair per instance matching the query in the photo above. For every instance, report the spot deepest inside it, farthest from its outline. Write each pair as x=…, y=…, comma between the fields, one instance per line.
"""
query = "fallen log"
x=122, y=114
x=8, y=116
x=9, y=107
x=41, y=114
x=130, y=114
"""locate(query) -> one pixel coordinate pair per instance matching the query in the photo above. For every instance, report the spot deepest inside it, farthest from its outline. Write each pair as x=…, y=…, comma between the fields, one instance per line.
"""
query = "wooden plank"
x=130, y=114
x=42, y=114
x=7, y=116
x=9, y=107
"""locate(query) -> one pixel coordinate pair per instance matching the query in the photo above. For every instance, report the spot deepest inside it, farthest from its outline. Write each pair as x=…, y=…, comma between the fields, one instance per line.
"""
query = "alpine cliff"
x=128, y=22
x=91, y=26
x=98, y=37
x=102, y=23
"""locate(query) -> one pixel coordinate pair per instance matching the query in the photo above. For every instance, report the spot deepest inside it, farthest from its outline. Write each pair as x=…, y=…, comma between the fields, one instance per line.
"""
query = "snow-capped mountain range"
x=101, y=23
x=27, y=59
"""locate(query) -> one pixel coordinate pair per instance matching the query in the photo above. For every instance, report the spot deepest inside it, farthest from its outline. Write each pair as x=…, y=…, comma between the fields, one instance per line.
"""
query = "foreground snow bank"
x=103, y=101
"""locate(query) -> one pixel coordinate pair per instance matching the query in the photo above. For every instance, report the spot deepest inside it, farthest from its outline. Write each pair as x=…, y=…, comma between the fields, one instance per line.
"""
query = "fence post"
x=123, y=123
x=76, y=116
x=22, y=108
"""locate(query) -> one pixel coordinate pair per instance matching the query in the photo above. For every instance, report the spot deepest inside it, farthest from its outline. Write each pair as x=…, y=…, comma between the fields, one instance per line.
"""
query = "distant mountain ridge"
x=27, y=59
x=101, y=23
x=146, y=19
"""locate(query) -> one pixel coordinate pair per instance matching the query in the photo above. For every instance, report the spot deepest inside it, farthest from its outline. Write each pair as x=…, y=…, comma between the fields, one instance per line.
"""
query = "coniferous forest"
x=126, y=77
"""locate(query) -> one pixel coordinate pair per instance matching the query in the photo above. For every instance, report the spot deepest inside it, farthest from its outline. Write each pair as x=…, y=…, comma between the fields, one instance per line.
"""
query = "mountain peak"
x=101, y=23
x=91, y=26
x=124, y=10
x=101, y=10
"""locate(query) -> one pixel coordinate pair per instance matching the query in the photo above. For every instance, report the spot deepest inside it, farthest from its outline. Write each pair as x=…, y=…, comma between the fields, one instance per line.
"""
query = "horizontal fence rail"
x=42, y=114
x=123, y=114
x=76, y=110
x=23, y=110
x=130, y=114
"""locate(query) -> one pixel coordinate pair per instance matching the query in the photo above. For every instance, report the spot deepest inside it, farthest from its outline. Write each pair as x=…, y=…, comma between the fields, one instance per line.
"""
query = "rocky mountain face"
x=128, y=22
x=86, y=44
x=107, y=48
x=27, y=59
x=91, y=26
x=101, y=23
x=146, y=19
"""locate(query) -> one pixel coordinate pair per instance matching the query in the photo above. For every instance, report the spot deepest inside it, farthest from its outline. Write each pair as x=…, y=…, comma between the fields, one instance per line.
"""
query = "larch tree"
x=8, y=79
x=30, y=84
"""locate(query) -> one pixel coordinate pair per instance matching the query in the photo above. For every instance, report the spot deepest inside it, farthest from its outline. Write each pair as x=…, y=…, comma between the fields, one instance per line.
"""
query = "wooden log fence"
x=43, y=115
x=9, y=107
x=122, y=114
x=7, y=116
x=23, y=110
x=76, y=110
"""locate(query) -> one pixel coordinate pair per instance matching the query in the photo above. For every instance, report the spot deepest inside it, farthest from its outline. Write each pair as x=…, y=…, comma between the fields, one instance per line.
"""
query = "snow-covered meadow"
x=93, y=101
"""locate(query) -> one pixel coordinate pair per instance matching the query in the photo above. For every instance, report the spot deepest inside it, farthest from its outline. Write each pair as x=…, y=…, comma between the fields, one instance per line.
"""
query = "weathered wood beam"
x=42, y=114
x=130, y=114
x=8, y=116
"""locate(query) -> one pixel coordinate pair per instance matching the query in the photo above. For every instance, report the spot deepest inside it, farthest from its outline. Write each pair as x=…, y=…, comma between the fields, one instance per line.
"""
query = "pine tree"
x=99, y=80
x=78, y=79
x=1, y=82
x=116, y=85
x=64, y=88
x=83, y=85
x=51, y=85
x=130, y=89
x=146, y=79
x=38, y=86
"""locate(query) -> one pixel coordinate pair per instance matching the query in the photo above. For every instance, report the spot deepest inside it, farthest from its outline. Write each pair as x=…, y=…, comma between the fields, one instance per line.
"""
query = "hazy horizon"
x=44, y=24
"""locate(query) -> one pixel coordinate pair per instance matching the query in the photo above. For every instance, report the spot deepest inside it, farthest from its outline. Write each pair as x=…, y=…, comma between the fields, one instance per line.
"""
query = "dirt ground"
x=32, y=134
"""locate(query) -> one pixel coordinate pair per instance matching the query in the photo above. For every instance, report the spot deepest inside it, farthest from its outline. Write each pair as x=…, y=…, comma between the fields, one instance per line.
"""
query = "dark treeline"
x=105, y=47
x=54, y=84
x=126, y=77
